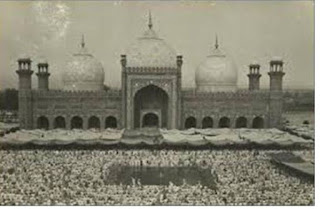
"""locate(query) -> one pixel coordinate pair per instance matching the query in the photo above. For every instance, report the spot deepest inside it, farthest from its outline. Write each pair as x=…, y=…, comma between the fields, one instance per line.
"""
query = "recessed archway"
x=190, y=122
x=241, y=122
x=207, y=122
x=94, y=122
x=151, y=98
x=258, y=122
x=111, y=122
x=59, y=122
x=150, y=120
x=43, y=123
x=76, y=123
x=224, y=122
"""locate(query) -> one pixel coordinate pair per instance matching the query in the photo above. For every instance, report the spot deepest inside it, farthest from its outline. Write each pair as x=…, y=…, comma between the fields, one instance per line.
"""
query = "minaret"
x=43, y=76
x=276, y=73
x=150, y=20
x=24, y=71
x=254, y=77
x=217, y=44
x=83, y=44
x=123, y=62
x=276, y=97
x=25, y=93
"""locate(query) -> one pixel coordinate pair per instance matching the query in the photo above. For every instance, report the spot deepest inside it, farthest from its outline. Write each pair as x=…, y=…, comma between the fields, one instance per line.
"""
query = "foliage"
x=9, y=99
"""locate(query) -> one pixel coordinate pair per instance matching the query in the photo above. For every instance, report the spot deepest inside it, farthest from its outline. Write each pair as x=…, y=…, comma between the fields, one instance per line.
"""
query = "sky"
x=248, y=31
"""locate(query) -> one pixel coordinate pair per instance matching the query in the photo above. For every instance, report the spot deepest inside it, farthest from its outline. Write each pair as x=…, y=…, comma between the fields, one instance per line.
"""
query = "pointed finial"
x=82, y=41
x=150, y=21
x=217, y=44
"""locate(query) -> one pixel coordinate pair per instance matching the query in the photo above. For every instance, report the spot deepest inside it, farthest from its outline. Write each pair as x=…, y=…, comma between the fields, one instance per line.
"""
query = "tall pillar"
x=25, y=93
x=68, y=122
x=43, y=76
x=179, y=88
x=276, y=99
x=102, y=122
x=123, y=118
x=85, y=122
x=254, y=77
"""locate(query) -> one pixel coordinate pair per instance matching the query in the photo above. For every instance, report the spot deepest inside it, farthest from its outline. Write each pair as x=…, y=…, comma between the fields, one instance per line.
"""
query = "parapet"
x=63, y=93
x=239, y=94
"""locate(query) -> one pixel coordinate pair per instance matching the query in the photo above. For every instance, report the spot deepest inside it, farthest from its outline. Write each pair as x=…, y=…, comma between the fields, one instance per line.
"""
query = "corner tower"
x=276, y=74
x=25, y=93
x=24, y=72
x=43, y=76
x=276, y=97
x=254, y=77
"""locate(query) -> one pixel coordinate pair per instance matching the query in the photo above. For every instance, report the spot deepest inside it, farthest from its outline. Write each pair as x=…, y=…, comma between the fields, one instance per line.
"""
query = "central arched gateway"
x=150, y=120
x=151, y=107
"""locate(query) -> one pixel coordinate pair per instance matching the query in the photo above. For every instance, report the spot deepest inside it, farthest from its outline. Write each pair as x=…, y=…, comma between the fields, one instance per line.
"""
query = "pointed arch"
x=258, y=122
x=207, y=122
x=191, y=122
x=43, y=123
x=59, y=122
x=111, y=122
x=76, y=122
x=224, y=122
x=94, y=122
x=241, y=122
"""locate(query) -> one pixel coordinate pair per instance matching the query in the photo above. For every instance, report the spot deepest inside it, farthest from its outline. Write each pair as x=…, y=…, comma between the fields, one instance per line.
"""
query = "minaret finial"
x=217, y=44
x=82, y=41
x=150, y=21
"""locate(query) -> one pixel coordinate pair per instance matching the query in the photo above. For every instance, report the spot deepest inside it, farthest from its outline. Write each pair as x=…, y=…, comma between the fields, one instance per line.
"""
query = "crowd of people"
x=76, y=177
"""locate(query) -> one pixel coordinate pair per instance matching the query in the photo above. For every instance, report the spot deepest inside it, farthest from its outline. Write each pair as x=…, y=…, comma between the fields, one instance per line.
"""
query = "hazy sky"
x=248, y=31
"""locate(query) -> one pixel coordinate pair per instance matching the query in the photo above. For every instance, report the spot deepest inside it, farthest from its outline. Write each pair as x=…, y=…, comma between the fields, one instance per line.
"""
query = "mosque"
x=151, y=94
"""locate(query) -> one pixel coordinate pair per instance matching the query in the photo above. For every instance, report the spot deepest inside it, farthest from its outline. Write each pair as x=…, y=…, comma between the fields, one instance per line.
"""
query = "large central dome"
x=151, y=51
x=217, y=72
x=83, y=72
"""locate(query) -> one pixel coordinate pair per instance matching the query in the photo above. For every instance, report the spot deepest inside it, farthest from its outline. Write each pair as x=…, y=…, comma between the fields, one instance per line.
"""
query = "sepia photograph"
x=157, y=103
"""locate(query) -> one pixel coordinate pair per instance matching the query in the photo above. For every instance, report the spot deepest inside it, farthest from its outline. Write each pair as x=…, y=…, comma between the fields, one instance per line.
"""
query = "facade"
x=151, y=93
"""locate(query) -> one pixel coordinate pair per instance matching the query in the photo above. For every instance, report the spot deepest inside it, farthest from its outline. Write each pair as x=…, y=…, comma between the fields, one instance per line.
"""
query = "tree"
x=9, y=99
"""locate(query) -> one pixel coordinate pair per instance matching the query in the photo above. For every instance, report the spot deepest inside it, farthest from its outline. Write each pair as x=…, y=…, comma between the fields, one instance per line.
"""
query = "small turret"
x=150, y=20
x=24, y=71
x=179, y=61
x=43, y=76
x=123, y=61
x=276, y=74
x=254, y=77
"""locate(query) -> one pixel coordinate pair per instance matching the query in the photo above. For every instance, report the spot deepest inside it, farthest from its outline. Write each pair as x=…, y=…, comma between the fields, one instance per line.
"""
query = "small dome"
x=277, y=58
x=217, y=73
x=151, y=51
x=83, y=72
x=42, y=59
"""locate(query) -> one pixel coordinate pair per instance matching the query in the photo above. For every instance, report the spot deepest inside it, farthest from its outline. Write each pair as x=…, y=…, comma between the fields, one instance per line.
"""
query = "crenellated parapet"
x=240, y=94
x=151, y=70
x=77, y=94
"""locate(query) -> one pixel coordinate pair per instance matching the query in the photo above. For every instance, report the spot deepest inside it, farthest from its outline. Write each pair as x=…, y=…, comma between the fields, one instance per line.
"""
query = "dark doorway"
x=59, y=122
x=224, y=122
x=151, y=97
x=190, y=122
x=43, y=123
x=258, y=122
x=207, y=122
x=150, y=120
x=111, y=122
x=94, y=122
x=241, y=122
x=76, y=122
